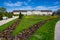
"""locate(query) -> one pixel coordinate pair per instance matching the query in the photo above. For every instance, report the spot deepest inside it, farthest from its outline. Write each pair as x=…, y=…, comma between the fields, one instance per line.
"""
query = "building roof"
x=46, y=10
x=19, y=10
x=32, y=10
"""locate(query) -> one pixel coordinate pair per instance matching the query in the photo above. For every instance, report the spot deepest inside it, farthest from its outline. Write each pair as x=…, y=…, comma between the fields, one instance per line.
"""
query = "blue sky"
x=11, y=5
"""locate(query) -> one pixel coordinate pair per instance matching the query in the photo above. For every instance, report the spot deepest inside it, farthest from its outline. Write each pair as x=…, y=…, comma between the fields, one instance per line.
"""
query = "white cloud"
x=13, y=4
x=40, y=8
x=16, y=4
x=28, y=8
x=25, y=8
x=54, y=7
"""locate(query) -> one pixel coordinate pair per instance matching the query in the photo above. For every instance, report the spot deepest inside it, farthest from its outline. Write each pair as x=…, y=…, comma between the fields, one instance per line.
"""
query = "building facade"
x=33, y=12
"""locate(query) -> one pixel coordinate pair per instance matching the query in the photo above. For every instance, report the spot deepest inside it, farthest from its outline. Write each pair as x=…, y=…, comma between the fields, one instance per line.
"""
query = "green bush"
x=9, y=15
x=4, y=13
x=1, y=16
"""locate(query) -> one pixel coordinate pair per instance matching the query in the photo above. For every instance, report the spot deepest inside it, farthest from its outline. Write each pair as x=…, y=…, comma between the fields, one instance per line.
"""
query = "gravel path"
x=57, y=31
x=7, y=20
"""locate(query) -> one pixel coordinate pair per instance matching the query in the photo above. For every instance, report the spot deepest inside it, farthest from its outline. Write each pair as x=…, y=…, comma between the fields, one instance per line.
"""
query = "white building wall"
x=34, y=12
x=50, y=13
x=39, y=13
x=24, y=13
x=29, y=13
x=16, y=12
x=46, y=13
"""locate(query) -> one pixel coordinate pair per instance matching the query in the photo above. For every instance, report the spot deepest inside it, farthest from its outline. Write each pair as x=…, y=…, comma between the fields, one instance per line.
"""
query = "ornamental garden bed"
x=7, y=25
x=26, y=23
x=6, y=33
x=45, y=32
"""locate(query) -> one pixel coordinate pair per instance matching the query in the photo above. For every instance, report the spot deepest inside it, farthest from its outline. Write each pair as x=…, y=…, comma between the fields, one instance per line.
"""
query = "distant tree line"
x=56, y=12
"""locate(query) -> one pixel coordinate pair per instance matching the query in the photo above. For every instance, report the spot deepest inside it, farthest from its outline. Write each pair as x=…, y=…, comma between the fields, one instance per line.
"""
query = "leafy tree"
x=2, y=9
x=54, y=13
x=58, y=12
x=9, y=15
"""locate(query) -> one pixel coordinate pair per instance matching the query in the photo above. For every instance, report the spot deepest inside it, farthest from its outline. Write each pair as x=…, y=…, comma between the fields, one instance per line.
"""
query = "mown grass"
x=6, y=25
x=28, y=21
x=45, y=32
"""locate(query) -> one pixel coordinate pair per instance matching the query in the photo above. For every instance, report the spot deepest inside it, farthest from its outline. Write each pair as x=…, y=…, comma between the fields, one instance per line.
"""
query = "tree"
x=20, y=15
x=58, y=12
x=1, y=16
x=2, y=9
x=2, y=12
x=54, y=13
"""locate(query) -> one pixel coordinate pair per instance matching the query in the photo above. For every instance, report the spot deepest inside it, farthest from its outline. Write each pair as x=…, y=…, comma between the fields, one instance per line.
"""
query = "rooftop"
x=32, y=10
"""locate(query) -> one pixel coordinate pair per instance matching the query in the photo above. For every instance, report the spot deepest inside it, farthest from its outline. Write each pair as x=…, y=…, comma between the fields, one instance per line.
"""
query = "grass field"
x=6, y=25
x=46, y=32
x=28, y=21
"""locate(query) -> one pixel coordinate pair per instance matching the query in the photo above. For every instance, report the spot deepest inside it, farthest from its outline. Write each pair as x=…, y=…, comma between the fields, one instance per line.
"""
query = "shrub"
x=9, y=15
x=1, y=16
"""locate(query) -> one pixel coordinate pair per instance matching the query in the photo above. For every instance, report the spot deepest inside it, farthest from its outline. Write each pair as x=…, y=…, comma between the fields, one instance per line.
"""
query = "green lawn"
x=28, y=21
x=45, y=32
x=6, y=25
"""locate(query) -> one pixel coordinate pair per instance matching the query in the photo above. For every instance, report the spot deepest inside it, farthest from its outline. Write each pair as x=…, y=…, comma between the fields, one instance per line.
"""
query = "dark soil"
x=23, y=35
x=6, y=34
x=26, y=33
